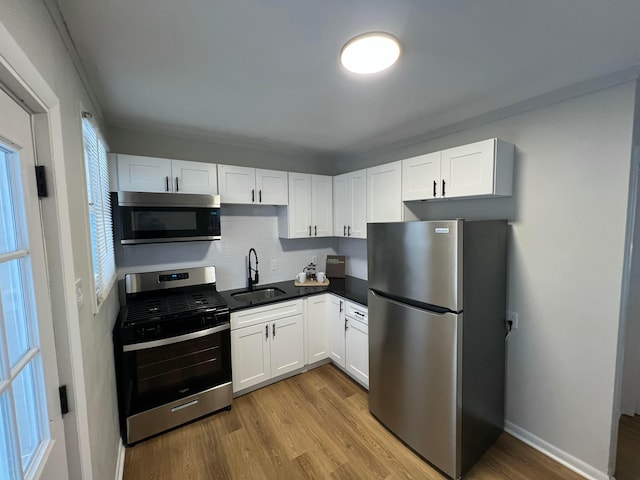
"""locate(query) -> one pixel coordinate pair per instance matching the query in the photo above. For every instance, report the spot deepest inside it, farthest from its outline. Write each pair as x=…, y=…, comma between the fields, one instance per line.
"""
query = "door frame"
x=25, y=83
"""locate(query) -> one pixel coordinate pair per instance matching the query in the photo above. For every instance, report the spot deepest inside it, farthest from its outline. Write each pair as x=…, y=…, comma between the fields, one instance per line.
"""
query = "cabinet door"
x=358, y=204
x=317, y=328
x=271, y=187
x=384, y=193
x=144, y=174
x=287, y=345
x=357, y=354
x=468, y=170
x=299, y=209
x=341, y=204
x=250, y=356
x=421, y=177
x=194, y=177
x=322, y=205
x=337, y=330
x=237, y=184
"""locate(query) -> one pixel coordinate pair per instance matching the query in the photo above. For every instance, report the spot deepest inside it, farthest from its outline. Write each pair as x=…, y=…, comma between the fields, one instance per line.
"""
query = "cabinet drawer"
x=357, y=311
x=267, y=313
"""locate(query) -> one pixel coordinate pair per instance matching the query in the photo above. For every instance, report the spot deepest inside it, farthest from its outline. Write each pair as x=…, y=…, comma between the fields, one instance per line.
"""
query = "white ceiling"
x=267, y=70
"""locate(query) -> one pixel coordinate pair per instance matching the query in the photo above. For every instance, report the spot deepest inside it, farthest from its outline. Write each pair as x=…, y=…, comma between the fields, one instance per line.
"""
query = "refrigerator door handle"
x=413, y=303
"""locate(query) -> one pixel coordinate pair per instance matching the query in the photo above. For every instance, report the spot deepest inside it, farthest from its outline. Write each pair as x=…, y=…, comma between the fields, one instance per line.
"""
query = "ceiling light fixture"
x=370, y=53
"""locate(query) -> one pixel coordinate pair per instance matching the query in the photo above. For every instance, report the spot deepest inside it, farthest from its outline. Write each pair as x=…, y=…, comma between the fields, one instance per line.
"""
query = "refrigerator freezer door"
x=420, y=261
x=413, y=378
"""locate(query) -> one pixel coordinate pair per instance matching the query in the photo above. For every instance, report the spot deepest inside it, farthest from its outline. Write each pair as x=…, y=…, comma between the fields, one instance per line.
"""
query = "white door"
x=341, y=205
x=384, y=193
x=271, y=186
x=237, y=184
x=32, y=443
x=194, y=177
x=337, y=330
x=358, y=204
x=322, y=205
x=299, y=209
x=468, y=170
x=317, y=328
x=421, y=177
x=144, y=174
x=357, y=354
x=287, y=345
x=250, y=356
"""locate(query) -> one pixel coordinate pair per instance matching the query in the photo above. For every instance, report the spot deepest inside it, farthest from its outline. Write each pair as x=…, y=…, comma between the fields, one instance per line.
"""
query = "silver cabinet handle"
x=266, y=332
x=177, y=186
x=260, y=195
x=349, y=231
x=253, y=196
x=340, y=306
x=345, y=324
x=166, y=184
x=274, y=330
x=344, y=230
x=185, y=405
x=315, y=229
x=309, y=230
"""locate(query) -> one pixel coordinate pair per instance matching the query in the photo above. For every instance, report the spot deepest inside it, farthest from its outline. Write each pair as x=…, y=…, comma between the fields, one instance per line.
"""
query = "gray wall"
x=567, y=239
x=30, y=24
x=163, y=145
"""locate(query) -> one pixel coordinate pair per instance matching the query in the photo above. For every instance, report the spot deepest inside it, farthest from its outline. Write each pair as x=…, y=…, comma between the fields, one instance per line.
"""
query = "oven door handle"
x=181, y=338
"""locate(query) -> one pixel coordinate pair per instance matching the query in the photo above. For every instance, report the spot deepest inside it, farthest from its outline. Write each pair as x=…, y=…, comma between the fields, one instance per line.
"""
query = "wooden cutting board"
x=311, y=283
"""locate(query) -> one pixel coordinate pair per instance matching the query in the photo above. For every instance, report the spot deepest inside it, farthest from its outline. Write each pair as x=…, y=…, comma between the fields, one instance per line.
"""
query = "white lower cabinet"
x=269, y=344
x=349, y=338
x=318, y=327
x=337, y=330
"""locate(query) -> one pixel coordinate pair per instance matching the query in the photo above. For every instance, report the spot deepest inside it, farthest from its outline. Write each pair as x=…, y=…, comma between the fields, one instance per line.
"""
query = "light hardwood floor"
x=312, y=426
x=628, y=458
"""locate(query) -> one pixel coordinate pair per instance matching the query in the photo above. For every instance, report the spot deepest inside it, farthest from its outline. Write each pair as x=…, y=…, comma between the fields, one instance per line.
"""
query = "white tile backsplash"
x=243, y=227
x=355, y=249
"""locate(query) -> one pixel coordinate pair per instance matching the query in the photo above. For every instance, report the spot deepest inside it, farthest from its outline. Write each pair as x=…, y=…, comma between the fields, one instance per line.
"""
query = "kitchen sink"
x=257, y=295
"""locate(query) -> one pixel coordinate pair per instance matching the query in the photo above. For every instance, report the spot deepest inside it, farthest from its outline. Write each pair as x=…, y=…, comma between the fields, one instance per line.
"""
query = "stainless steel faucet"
x=256, y=278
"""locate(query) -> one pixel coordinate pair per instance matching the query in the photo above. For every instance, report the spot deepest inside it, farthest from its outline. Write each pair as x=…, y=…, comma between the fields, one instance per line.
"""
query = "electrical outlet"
x=314, y=260
x=513, y=317
x=274, y=264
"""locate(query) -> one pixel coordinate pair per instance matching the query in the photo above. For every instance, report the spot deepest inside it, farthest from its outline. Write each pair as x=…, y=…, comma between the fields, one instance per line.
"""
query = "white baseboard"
x=120, y=462
x=554, y=452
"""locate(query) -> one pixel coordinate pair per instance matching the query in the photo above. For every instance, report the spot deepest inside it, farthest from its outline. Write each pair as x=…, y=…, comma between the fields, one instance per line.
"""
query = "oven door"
x=162, y=371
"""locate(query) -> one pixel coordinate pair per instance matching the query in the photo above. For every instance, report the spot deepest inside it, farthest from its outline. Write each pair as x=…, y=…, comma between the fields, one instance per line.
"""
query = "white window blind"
x=95, y=156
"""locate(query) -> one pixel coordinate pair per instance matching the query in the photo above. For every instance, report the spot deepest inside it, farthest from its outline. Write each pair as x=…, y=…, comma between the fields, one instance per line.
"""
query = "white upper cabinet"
x=350, y=204
x=148, y=174
x=421, y=177
x=237, y=184
x=271, y=186
x=476, y=170
x=144, y=174
x=384, y=193
x=252, y=186
x=322, y=205
x=194, y=177
x=310, y=211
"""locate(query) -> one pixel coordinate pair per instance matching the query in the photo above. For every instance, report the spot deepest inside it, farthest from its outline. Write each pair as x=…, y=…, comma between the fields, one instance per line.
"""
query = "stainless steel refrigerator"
x=437, y=301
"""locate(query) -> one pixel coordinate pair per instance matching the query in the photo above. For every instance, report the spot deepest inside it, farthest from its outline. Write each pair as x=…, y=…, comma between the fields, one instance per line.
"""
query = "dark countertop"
x=351, y=288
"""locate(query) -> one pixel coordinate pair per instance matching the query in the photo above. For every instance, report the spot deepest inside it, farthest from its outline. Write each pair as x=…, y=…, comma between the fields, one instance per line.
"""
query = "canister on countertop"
x=335, y=266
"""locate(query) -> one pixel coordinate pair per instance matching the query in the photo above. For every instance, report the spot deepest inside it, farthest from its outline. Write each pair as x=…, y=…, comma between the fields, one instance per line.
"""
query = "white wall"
x=30, y=24
x=630, y=388
x=243, y=227
x=164, y=145
x=355, y=250
x=566, y=251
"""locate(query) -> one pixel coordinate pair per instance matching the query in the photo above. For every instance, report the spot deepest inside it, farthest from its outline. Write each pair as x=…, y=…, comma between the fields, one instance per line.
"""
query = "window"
x=95, y=157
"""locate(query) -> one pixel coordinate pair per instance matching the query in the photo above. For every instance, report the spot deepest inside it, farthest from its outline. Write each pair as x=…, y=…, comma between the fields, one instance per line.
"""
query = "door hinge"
x=41, y=182
x=64, y=404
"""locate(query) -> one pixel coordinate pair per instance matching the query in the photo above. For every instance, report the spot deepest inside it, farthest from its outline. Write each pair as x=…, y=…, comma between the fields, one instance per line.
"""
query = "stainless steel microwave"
x=166, y=217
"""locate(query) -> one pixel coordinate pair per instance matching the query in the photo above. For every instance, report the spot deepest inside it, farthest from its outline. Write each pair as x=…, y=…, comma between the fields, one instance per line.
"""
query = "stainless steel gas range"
x=172, y=350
